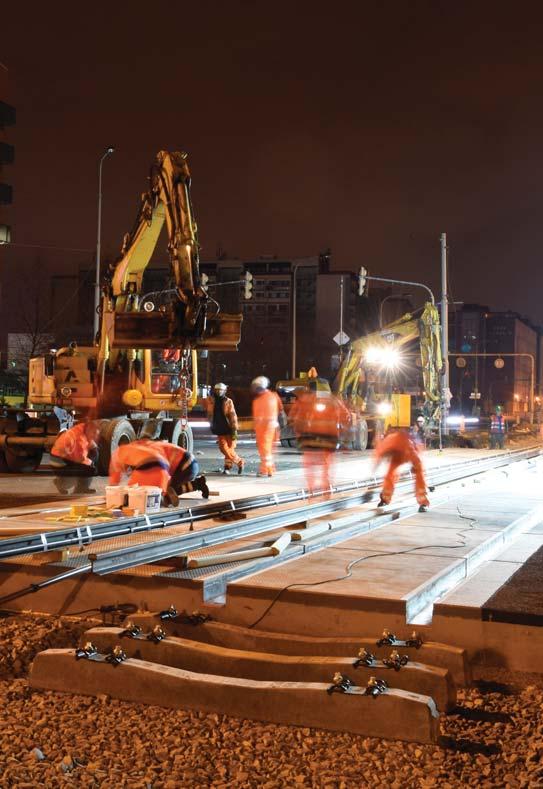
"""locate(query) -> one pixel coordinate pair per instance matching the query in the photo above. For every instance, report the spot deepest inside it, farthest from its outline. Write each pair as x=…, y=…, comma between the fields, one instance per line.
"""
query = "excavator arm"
x=406, y=329
x=183, y=321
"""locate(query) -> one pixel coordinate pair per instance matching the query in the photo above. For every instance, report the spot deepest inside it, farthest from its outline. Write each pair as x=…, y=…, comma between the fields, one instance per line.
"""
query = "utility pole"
x=444, y=335
x=96, y=321
x=341, y=316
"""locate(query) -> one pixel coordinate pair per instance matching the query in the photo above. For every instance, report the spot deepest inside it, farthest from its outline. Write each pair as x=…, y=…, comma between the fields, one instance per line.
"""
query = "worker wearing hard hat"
x=75, y=454
x=267, y=411
x=160, y=464
x=318, y=418
x=418, y=432
x=224, y=424
x=399, y=448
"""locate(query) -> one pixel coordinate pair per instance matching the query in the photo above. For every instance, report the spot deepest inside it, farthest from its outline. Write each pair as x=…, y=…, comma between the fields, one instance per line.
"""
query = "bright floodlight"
x=384, y=408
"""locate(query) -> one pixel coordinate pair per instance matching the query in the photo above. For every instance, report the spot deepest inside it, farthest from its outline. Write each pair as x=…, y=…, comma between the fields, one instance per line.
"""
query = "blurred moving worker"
x=75, y=454
x=399, y=448
x=498, y=429
x=318, y=418
x=224, y=424
x=159, y=463
x=267, y=411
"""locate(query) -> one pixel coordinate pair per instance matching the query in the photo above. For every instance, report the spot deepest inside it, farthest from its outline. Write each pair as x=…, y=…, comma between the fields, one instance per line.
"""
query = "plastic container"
x=116, y=496
x=145, y=498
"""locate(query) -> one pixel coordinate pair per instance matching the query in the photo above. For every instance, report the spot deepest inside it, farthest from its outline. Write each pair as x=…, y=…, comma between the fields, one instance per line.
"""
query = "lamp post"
x=293, y=291
x=391, y=296
x=96, y=324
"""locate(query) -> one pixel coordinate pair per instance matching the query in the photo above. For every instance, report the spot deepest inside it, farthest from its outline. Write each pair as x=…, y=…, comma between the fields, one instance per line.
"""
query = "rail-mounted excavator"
x=365, y=379
x=141, y=371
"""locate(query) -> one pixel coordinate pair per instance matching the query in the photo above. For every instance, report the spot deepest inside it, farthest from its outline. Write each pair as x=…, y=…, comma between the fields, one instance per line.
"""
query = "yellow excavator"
x=368, y=371
x=141, y=372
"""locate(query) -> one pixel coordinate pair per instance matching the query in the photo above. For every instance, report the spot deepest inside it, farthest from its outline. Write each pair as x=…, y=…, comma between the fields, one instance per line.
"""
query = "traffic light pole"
x=403, y=282
x=445, y=391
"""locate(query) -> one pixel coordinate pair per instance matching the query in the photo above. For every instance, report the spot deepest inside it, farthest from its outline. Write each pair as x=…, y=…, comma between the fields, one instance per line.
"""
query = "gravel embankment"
x=51, y=739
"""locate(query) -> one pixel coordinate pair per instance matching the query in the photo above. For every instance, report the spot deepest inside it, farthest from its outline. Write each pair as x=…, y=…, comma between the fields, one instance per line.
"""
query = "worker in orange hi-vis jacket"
x=159, y=463
x=318, y=418
x=267, y=411
x=224, y=424
x=75, y=454
x=399, y=448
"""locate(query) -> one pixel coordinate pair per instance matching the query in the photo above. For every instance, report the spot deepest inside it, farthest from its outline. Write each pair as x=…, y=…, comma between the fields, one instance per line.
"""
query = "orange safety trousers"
x=318, y=464
x=265, y=437
x=397, y=460
x=227, y=446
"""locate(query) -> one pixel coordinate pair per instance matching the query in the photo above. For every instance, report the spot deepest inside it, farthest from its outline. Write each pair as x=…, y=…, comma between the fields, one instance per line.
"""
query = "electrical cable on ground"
x=349, y=567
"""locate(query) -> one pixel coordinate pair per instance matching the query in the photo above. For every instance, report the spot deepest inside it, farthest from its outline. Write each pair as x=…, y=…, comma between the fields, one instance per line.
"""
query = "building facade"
x=508, y=375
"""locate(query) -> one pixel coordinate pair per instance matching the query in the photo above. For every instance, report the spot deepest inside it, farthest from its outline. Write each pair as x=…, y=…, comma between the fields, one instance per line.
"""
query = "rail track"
x=390, y=686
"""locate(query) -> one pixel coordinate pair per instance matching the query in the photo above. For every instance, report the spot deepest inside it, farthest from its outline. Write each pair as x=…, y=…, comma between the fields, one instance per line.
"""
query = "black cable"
x=354, y=562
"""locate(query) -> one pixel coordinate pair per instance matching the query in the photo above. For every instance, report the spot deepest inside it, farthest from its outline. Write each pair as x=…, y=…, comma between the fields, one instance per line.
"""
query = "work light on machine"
x=384, y=408
x=383, y=356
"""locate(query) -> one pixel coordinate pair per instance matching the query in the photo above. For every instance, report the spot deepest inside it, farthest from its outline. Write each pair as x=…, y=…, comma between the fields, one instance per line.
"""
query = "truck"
x=141, y=371
x=365, y=381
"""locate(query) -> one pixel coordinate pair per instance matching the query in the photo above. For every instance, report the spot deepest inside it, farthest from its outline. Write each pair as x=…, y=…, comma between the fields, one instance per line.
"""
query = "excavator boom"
x=183, y=321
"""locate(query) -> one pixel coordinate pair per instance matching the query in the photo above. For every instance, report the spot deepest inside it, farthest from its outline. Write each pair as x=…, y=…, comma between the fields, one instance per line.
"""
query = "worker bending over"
x=159, y=463
x=399, y=449
x=267, y=410
x=318, y=418
x=224, y=424
x=75, y=454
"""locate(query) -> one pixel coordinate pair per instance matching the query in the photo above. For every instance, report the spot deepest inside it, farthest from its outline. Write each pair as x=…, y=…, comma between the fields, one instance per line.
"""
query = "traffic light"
x=248, y=284
x=362, y=280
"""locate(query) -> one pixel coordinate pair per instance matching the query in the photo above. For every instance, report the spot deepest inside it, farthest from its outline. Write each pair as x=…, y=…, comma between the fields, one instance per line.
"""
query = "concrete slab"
x=395, y=714
x=264, y=666
x=251, y=640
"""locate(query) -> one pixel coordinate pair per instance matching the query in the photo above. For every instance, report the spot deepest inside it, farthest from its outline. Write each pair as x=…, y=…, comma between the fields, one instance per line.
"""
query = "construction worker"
x=158, y=463
x=224, y=424
x=267, y=411
x=75, y=454
x=318, y=418
x=418, y=432
x=498, y=429
x=399, y=448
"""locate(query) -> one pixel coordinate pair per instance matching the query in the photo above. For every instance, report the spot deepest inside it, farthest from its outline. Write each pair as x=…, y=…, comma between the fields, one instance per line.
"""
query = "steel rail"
x=84, y=535
x=131, y=556
x=142, y=553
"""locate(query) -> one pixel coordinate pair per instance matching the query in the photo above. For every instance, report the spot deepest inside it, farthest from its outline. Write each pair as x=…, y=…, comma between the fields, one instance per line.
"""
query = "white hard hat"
x=260, y=382
x=220, y=387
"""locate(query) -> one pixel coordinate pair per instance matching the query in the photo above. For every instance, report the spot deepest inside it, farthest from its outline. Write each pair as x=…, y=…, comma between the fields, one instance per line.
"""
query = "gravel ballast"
x=52, y=739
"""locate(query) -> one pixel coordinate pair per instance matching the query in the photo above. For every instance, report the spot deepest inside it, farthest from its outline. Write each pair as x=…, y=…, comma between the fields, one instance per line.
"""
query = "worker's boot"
x=240, y=467
x=83, y=485
x=226, y=471
x=171, y=497
x=200, y=484
x=61, y=486
x=423, y=508
x=382, y=502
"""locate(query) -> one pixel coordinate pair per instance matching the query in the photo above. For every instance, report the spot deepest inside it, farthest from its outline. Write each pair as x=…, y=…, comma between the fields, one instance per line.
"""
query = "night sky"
x=369, y=127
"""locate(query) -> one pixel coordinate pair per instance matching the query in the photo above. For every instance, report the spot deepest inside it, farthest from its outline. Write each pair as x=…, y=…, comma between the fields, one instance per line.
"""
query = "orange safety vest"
x=399, y=446
x=73, y=445
x=318, y=420
x=266, y=409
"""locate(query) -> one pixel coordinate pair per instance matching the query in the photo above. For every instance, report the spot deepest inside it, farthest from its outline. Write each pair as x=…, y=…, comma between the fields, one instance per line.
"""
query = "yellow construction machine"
x=141, y=372
x=368, y=376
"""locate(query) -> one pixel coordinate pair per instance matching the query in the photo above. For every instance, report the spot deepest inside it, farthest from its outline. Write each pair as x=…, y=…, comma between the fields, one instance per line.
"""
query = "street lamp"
x=96, y=324
x=391, y=296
